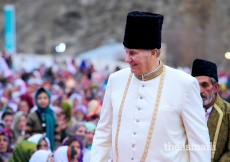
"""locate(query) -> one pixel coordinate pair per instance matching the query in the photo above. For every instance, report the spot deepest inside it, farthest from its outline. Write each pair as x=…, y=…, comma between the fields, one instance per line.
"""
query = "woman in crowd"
x=67, y=109
x=24, y=106
x=18, y=126
x=7, y=118
x=42, y=156
x=90, y=131
x=65, y=154
x=80, y=112
x=76, y=99
x=27, y=97
x=43, y=119
x=5, y=150
x=76, y=143
x=55, y=101
x=41, y=141
x=23, y=151
x=43, y=144
x=77, y=128
x=94, y=108
x=7, y=94
x=61, y=120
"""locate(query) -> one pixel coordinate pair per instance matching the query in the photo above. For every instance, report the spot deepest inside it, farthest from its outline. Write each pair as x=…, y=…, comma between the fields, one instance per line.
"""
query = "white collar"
x=209, y=109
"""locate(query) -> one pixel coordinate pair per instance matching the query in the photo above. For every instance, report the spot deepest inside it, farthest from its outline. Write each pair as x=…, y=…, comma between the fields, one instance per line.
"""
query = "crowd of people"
x=49, y=114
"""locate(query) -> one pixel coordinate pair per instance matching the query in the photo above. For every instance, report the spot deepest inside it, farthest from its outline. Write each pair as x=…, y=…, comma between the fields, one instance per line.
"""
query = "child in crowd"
x=43, y=119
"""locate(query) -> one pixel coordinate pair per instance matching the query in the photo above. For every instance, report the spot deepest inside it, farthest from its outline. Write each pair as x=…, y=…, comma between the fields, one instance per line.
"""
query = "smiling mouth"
x=133, y=65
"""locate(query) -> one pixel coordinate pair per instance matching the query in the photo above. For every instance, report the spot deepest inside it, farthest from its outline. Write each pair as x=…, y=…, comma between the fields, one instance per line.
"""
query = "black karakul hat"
x=204, y=68
x=143, y=30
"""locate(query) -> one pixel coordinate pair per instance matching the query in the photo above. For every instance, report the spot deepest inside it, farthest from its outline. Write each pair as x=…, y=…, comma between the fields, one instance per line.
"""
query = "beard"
x=209, y=99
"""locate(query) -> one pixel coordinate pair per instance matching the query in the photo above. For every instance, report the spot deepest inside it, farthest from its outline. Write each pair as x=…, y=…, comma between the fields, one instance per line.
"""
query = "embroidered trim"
x=217, y=130
x=151, y=75
x=119, y=116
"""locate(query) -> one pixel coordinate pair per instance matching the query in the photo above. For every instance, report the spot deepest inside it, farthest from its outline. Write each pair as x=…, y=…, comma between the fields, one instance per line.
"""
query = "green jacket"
x=219, y=130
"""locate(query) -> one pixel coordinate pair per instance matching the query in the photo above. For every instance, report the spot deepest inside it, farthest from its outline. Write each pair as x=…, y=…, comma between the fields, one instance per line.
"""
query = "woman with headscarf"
x=5, y=150
x=41, y=141
x=18, y=126
x=76, y=143
x=80, y=112
x=23, y=151
x=41, y=156
x=94, y=108
x=90, y=131
x=27, y=97
x=77, y=128
x=43, y=119
x=65, y=154
x=24, y=106
x=67, y=118
x=67, y=109
x=76, y=99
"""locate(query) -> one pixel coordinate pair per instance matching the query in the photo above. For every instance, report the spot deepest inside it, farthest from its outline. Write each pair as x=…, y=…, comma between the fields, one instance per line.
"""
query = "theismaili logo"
x=189, y=147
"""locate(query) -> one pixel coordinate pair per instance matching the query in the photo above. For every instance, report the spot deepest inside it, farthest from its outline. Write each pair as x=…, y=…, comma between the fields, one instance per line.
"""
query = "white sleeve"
x=102, y=141
x=193, y=117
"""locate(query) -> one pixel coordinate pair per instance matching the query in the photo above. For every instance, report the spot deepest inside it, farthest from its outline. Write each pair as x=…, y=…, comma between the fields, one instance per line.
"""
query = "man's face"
x=207, y=90
x=139, y=60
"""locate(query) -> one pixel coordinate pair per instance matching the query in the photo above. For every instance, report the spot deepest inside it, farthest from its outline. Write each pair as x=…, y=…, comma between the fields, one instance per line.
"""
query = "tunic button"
x=43, y=124
x=139, y=109
x=132, y=158
x=134, y=133
x=143, y=85
x=133, y=145
x=137, y=121
x=140, y=97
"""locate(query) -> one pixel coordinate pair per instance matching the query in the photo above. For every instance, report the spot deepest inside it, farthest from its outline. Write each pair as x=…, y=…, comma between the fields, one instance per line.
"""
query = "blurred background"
x=192, y=28
x=70, y=47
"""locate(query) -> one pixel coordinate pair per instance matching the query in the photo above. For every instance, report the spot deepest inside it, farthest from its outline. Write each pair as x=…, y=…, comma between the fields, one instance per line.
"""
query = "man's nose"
x=127, y=58
x=201, y=90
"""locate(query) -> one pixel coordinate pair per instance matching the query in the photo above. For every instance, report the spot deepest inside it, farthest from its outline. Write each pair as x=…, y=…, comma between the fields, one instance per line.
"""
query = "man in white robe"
x=150, y=112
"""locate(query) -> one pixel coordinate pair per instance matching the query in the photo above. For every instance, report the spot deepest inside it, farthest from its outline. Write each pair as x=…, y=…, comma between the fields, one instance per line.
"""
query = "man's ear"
x=216, y=87
x=154, y=52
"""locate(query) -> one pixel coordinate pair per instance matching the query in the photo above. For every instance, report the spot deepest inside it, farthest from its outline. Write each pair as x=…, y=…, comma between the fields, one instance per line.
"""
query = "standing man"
x=217, y=111
x=150, y=111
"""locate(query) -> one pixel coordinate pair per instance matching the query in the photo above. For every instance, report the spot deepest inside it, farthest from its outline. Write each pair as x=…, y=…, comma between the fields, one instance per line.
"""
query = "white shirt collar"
x=209, y=109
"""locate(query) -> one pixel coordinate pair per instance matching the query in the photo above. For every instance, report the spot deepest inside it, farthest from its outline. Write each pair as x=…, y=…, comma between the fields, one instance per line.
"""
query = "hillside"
x=191, y=29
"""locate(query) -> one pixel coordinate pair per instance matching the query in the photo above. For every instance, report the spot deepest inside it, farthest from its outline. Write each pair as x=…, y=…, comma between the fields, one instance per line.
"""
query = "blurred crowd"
x=53, y=110
x=51, y=113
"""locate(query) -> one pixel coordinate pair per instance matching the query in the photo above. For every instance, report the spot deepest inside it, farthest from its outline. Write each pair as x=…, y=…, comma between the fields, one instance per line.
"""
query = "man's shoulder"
x=224, y=105
x=178, y=75
x=121, y=74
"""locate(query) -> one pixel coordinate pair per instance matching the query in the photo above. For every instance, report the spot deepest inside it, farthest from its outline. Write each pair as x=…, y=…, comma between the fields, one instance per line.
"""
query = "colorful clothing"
x=64, y=154
x=17, y=133
x=43, y=121
x=23, y=152
x=67, y=109
x=70, y=140
x=40, y=156
x=6, y=155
